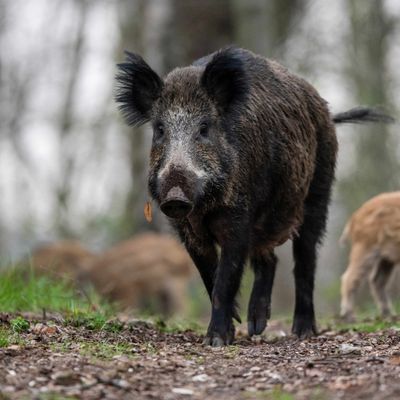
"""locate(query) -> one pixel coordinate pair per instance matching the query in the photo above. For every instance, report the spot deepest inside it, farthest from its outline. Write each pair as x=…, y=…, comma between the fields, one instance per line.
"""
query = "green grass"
x=9, y=337
x=23, y=290
x=276, y=394
x=279, y=394
x=96, y=350
x=91, y=321
x=4, y=339
x=368, y=326
x=176, y=325
x=104, y=350
x=19, y=325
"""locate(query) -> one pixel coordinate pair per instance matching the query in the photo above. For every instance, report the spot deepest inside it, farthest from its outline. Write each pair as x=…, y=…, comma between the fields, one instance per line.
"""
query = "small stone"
x=183, y=391
x=14, y=347
x=349, y=349
x=201, y=378
x=120, y=383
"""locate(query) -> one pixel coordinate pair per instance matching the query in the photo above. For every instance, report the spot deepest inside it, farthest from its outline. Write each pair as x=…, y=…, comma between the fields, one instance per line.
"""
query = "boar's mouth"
x=176, y=205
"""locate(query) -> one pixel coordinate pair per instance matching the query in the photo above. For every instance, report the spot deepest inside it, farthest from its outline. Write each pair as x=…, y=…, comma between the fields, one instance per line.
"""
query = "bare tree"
x=265, y=26
x=67, y=128
x=375, y=164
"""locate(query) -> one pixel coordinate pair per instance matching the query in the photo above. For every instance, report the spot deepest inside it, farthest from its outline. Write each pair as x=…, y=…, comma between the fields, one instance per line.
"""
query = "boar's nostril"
x=176, y=204
x=176, y=208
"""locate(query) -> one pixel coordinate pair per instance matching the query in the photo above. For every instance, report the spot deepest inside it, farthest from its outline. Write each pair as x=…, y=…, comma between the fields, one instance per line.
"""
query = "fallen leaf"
x=394, y=360
x=42, y=329
x=147, y=212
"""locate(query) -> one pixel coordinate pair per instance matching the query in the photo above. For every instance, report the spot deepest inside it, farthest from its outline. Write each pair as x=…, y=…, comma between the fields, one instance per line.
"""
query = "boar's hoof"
x=304, y=328
x=258, y=314
x=217, y=339
x=256, y=326
x=176, y=204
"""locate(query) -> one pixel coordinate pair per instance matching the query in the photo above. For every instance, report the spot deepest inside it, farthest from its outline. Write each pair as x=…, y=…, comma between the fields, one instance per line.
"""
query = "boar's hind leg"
x=304, y=251
x=259, y=311
x=310, y=235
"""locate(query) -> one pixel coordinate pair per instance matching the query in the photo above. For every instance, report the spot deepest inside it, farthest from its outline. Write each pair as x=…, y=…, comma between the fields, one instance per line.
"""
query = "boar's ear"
x=224, y=78
x=138, y=86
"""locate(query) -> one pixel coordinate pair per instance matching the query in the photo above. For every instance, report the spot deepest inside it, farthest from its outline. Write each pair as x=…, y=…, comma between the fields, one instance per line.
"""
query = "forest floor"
x=90, y=359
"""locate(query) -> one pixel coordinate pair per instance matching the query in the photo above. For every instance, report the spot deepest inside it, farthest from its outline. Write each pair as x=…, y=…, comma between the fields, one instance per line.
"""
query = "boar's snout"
x=176, y=204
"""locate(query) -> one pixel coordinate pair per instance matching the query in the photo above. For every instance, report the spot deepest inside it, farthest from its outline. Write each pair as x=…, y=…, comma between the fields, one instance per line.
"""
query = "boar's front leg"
x=205, y=257
x=206, y=260
x=234, y=249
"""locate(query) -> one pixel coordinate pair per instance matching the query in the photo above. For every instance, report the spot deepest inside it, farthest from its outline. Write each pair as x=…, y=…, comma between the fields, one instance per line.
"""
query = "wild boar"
x=149, y=271
x=243, y=157
x=67, y=259
x=374, y=232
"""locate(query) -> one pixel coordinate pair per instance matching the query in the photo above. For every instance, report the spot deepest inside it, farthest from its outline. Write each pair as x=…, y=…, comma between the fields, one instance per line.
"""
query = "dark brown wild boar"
x=147, y=270
x=243, y=156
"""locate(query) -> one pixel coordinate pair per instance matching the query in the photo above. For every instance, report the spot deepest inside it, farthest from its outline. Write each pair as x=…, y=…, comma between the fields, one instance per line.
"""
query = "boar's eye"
x=159, y=131
x=204, y=129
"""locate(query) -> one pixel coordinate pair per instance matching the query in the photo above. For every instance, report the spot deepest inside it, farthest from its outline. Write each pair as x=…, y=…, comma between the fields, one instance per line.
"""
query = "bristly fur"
x=224, y=79
x=359, y=115
x=253, y=149
x=138, y=87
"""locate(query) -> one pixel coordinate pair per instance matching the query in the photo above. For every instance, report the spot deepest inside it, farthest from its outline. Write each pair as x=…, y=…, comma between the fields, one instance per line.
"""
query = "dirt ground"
x=134, y=360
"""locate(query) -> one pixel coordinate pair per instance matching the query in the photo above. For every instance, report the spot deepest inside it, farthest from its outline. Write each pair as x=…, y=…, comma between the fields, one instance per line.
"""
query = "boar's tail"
x=359, y=115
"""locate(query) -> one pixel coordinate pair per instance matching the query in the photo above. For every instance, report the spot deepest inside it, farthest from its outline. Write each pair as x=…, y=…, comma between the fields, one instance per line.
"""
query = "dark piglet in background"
x=243, y=156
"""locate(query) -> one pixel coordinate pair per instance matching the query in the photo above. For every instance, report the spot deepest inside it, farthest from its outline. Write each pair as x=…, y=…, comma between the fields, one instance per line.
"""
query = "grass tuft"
x=23, y=290
x=19, y=325
x=4, y=339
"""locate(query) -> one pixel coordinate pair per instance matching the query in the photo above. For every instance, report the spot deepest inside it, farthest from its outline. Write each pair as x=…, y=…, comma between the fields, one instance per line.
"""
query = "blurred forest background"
x=70, y=168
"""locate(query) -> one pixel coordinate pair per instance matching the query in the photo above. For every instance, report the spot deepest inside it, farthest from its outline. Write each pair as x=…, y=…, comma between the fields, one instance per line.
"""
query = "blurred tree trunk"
x=375, y=163
x=197, y=28
x=265, y=26
x=67, y=154
x=132, y=22
x=143, y=27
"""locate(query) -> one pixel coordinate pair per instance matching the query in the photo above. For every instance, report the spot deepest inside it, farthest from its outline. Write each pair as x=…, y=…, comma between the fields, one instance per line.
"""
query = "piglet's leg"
x=378, y=280
x=226, y=285
x=360, y=264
